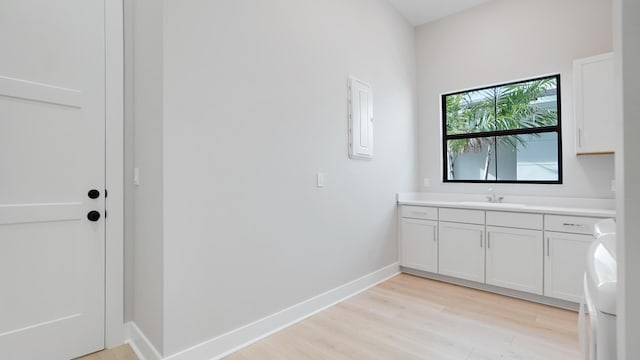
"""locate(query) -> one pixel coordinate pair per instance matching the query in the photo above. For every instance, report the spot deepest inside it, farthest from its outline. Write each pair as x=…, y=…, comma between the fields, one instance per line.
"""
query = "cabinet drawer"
x=570, y=224
x=419, y=212
x=514, y=220
x=462, y=216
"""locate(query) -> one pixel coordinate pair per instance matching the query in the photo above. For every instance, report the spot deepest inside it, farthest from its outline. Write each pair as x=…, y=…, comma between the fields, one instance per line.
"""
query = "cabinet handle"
x=488, y=240
x=434, y=234
x=579, y=137
x=573, y=225
x=547, y=247
x=480, y=240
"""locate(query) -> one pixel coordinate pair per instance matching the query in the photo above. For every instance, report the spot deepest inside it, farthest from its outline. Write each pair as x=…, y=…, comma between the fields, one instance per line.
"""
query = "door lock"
x=93, y=215
x=93, y=194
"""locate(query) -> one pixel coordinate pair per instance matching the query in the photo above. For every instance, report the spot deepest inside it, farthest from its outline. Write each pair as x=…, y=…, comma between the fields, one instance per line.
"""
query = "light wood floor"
x=123, y=352
x=408, y=317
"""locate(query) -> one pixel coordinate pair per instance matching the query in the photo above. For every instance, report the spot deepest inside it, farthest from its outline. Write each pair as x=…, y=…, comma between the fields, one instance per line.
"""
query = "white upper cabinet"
x=594, y=104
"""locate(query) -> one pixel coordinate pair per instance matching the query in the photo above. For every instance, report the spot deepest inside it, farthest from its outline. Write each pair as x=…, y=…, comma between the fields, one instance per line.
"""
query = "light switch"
x=320, y=180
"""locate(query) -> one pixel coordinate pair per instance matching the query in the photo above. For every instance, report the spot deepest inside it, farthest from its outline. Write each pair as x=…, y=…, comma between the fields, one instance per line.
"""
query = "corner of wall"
x=145, y=113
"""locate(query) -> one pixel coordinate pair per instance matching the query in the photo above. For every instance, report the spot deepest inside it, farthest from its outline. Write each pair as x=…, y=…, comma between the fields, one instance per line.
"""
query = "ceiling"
x=418, y=12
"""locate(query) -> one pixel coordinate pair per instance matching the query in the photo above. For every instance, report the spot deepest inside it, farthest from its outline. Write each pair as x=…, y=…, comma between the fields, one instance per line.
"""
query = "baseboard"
x=139, y=343
x=234, y=340
x=494, y=289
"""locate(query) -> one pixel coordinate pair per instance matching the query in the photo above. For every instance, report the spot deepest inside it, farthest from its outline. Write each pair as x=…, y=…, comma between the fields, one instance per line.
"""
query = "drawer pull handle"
x=570, y=224
x=419, y=213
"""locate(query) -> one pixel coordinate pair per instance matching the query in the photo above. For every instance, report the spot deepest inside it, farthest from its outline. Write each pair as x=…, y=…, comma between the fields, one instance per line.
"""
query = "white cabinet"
x=461, y=250
x=419, y=238
x=564, y=265
x=594, y=104
x=514, y=258
x=567, y=239
x=570, y=224
x=535, y=253
x=419, y=244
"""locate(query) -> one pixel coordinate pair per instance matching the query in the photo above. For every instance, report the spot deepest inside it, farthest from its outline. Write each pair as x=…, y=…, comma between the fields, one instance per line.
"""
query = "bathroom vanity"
x=532, y=248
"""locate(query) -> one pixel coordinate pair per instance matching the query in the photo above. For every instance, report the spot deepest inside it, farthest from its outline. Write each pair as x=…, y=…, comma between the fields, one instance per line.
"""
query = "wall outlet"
x=426, y=182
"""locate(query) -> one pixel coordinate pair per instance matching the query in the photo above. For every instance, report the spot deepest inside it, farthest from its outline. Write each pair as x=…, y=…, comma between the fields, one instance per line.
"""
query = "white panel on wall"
x=360, y=119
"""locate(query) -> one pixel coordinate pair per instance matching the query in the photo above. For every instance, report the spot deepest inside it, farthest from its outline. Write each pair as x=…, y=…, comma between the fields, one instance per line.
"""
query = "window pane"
x=471, y=159
x=528, y=104
x=504, y=133
x=532, y=157
x=470, y=112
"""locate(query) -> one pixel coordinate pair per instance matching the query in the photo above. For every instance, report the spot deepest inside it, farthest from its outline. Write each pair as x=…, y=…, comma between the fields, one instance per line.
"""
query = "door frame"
x=114, y=167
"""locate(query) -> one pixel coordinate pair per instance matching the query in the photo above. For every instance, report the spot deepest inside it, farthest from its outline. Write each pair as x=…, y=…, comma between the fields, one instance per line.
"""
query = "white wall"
x=145, y=255
x=627, y=47
x=254, y=106
x=503, y=41
x=128, y=160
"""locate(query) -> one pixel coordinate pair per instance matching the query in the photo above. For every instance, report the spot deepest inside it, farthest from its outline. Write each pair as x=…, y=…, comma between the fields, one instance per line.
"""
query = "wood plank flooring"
x=123, y=352
x=408, y=317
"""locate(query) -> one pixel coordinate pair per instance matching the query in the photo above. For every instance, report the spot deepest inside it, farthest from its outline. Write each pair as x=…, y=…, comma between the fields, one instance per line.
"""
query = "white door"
x=419, y=246
x=461, y=250
x=52, y=153
x=514, y=258
x=565, y=261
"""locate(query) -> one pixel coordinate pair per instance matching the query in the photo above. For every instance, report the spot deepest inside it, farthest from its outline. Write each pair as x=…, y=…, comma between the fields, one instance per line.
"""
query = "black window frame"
x=521, y=131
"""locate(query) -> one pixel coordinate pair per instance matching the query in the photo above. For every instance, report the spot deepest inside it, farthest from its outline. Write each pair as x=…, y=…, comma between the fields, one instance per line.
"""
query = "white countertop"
x=528, y=204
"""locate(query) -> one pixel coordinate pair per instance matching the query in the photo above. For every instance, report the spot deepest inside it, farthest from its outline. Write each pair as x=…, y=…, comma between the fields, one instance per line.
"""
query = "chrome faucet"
x=493, y=198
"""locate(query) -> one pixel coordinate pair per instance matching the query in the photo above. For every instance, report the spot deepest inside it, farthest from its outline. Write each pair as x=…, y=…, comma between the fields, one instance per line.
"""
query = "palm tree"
x=509, y=107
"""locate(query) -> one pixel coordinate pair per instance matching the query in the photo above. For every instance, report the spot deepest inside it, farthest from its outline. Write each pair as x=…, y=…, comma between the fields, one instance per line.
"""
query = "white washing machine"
x=598, y=335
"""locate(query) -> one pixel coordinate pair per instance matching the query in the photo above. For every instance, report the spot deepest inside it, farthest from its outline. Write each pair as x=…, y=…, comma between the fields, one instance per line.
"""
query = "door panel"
x=419, y=247
x=565, y=262
x=52, y=141
x=514, y=259
x=461, y=250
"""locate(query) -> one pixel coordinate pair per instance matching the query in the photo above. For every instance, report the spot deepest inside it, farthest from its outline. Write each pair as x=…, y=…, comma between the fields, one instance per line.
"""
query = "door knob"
x=93, y=194
x=93, y=215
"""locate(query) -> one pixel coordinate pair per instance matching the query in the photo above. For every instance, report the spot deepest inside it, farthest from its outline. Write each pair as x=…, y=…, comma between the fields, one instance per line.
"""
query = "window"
x=508, y=133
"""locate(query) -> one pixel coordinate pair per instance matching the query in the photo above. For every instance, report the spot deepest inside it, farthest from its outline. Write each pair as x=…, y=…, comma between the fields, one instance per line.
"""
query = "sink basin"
x=490, y=205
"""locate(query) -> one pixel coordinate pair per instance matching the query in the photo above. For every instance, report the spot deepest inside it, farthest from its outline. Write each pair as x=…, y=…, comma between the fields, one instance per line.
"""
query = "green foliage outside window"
x=507, y=116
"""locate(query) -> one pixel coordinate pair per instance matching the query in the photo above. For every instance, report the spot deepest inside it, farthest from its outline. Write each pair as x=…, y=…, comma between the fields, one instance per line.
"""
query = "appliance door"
x=588, y=324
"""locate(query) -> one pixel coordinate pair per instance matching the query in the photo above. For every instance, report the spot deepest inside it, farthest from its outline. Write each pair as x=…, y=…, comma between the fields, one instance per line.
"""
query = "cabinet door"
x=461, y=250
x=514, y=259
x=565, y=258
x=419, y=244
x=594, y=104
